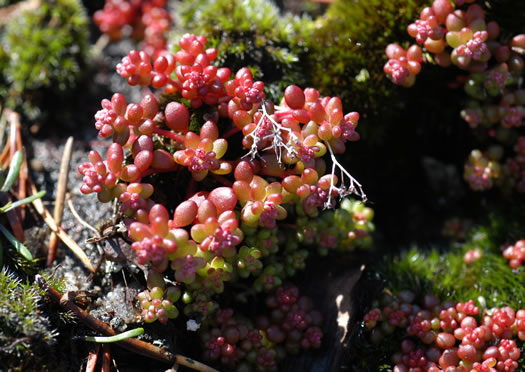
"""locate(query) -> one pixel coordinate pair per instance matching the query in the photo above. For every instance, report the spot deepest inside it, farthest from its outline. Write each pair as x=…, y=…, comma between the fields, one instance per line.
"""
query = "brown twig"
x=13, y=216
x=22, y=177
x=80, y=219
x=97, y=267
x=99, y=46
x=106, y=358
x=92, y=360
x=48, y=218
x=61, y=196
x=14, y=219
x=193, y=364
x=4, y=157
x=87, y=226
x=131, y=344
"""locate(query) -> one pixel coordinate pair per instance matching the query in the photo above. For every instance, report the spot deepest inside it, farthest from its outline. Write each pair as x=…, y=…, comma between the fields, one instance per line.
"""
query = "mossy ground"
x=43, y=51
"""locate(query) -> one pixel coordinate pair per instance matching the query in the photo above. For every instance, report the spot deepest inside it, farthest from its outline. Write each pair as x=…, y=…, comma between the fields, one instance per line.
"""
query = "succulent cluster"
x=515, y=253
x=42, y=51
x=464, y=38
x=443, y=336
x=146, y=20
x=293, y=326
x=250, y=211
x=472, y=41
x=157, y=301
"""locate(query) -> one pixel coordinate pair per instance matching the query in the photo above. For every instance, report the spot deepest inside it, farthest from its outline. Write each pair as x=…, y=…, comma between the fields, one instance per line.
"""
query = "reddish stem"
x=92, y=360
x=174, y=136
x=14, y=219
x=106, y=359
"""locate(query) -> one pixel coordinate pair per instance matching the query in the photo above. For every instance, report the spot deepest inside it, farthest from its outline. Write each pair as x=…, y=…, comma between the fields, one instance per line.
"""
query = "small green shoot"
x=9, y=206
x=22, y=249
x=121, y=336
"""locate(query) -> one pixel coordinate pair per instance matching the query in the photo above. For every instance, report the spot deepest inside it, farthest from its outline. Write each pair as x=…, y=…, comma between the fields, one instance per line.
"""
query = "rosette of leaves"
x=249, y=33
x=44, y=49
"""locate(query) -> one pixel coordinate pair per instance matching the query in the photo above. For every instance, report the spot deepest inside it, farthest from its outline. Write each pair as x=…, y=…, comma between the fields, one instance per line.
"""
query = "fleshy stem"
x=275, y=134
x=354, y=187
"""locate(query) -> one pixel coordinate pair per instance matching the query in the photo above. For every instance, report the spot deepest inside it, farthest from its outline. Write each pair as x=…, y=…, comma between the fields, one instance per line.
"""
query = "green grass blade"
x=122, y=336
x=22, y=249
x=29, y=199
x=14, y=169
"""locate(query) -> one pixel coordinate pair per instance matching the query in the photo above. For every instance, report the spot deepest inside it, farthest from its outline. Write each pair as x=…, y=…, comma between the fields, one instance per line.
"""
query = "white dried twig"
x=275, y=134
x=344, y=190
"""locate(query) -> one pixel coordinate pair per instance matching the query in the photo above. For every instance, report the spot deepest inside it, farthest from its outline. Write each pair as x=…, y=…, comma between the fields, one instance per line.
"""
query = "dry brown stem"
x=60, y=198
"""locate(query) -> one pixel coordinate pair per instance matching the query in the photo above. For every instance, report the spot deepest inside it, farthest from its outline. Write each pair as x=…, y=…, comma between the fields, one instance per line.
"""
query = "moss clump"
x=26, y=336
x=348, y=52
x=445, y=273
x=249, y=33
x=43, y=52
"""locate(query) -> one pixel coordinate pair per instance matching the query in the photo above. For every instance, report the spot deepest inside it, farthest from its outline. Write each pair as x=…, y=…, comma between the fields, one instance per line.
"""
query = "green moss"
x=348, y=53
x=445, y=274
x=45, y=51
x=26, y=336
x=250, y=33
x=442, y=272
